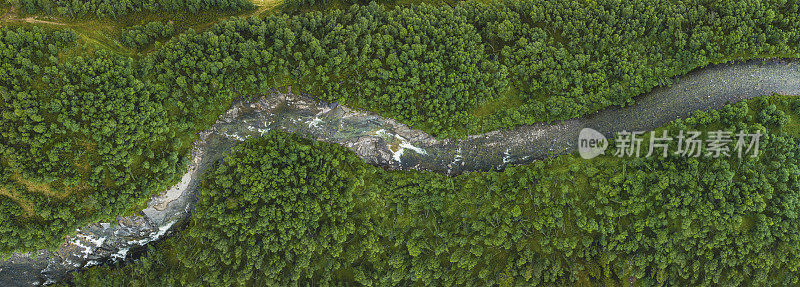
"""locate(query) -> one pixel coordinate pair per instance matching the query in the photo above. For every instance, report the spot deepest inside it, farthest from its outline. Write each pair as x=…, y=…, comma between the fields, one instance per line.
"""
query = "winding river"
x=388, y=143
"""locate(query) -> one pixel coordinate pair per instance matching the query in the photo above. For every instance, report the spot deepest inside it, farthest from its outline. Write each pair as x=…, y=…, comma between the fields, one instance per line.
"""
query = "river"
x=385, y=142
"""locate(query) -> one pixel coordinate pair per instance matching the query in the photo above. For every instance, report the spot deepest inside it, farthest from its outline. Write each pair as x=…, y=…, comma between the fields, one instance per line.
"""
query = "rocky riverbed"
x=388, y=143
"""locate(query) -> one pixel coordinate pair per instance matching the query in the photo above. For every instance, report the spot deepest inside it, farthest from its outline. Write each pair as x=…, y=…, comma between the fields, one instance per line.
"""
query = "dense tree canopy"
x=479, y=67
x=283, y=209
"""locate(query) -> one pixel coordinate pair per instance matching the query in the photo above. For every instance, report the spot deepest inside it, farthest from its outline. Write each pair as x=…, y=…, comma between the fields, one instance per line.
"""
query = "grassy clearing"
x=26, y=205
x=510, y=99
x=265, y=5
x=23, y=191
x=38, y=187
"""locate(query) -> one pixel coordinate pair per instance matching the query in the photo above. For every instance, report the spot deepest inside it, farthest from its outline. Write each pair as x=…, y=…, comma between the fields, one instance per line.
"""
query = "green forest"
x=285, y=210
x=97, y=119
x=458, y=70
x=473, y=67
